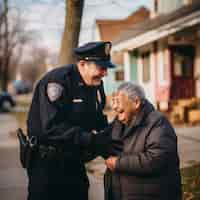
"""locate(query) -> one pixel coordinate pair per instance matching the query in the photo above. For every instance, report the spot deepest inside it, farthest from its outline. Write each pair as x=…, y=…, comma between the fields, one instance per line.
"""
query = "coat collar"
x=139, y=120
x=77, y=76
x=118, y=129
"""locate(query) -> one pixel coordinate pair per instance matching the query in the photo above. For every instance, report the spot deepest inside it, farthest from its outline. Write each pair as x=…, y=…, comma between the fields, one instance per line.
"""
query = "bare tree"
x=12, y=37
x=74, y=10
x=33, y=68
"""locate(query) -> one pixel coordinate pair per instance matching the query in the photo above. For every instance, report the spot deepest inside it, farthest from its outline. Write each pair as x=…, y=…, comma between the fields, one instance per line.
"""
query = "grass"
x=191, y=182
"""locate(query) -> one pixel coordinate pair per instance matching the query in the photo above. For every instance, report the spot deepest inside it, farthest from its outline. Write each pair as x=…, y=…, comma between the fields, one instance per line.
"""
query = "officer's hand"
x=115, y=147
x=111, y=162
x=68, y=136
x=93, y=139
x=105, y=146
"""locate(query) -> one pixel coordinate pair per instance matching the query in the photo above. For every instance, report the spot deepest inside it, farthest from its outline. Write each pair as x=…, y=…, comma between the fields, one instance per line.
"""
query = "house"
x=164, y=51
x=109, y=30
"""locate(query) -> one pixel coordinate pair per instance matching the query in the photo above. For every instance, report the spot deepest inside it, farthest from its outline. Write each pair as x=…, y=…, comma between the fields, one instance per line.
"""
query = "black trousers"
x=48, y=180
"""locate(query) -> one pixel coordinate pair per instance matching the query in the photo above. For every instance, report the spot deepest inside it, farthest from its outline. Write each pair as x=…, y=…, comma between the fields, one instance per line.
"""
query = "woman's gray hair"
x=133, y=90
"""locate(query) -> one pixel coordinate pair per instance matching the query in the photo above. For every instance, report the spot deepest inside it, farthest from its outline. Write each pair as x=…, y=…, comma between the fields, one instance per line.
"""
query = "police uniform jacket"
x=78, y=105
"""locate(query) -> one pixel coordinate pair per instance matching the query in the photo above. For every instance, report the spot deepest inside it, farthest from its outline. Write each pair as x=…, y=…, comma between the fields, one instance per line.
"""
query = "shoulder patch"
x=54, y=91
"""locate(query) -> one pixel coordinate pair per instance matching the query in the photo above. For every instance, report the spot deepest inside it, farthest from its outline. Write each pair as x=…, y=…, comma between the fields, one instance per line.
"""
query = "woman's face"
x=124, y=107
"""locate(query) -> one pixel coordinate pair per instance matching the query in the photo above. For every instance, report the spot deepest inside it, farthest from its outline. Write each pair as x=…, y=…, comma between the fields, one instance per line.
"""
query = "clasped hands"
x=111, y=162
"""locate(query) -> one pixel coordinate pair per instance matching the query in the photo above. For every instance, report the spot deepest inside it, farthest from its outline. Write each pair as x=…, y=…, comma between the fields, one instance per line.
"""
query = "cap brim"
x=105, y=63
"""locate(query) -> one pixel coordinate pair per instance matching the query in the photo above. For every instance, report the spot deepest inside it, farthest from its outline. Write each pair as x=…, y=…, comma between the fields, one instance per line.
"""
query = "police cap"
x=98, y=52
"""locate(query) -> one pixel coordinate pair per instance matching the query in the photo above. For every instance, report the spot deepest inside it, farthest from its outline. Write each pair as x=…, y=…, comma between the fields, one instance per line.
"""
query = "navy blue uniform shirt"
x=78, y=105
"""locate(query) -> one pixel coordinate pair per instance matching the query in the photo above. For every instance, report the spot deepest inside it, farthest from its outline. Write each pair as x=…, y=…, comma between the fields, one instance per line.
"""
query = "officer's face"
x=125, y=107
x=92, y=73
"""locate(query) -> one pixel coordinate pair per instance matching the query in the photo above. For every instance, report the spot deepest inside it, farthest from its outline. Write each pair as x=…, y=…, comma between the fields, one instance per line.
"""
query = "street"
x=12, y=176
x=13, y=180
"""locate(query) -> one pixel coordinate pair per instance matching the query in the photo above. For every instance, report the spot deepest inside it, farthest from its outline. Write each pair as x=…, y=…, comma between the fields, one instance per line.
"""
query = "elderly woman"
x=148, y=167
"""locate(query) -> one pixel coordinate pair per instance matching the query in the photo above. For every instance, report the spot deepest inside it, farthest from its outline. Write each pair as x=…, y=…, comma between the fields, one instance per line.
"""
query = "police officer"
x=66, y=116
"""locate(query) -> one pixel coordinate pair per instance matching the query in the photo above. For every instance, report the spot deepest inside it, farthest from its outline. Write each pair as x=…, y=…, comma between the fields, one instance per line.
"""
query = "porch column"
x=127, y=66
x=197, y=70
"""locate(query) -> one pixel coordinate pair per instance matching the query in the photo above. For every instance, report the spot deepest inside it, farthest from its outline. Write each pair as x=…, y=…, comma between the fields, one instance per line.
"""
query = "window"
x=183, y=62
x=119, y=75
x=146, y=67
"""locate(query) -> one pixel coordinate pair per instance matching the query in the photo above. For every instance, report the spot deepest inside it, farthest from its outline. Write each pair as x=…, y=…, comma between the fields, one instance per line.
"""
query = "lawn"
x=191, y=182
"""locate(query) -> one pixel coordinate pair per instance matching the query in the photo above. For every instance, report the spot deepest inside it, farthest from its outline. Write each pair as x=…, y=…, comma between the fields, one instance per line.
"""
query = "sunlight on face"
x=124, y=107
x=93, y=73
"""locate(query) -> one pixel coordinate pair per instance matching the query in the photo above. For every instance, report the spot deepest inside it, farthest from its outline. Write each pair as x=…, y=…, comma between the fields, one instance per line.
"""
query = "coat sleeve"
x=160, y=150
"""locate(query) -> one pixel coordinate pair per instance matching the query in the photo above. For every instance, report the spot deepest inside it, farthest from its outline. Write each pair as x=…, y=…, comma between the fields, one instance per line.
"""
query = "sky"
x=46, y=17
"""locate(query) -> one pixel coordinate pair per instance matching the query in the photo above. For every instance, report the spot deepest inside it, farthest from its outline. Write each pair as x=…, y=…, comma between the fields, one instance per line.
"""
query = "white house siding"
x=110, y=83
x=162, y=64
x=166, y=6
x=127, y=66
x=96, y=36
x=149, y=87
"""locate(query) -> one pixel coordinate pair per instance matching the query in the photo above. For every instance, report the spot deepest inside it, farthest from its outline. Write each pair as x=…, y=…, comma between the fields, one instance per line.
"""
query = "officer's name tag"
x=77, y=100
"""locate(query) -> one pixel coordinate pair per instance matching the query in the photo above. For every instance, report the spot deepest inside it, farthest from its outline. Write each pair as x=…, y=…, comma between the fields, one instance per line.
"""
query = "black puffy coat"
x=148, y=167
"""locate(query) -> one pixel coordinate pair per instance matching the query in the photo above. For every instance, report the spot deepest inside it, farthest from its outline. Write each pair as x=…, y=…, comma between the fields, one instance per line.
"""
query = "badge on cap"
x=107, y=48
x=54, y=91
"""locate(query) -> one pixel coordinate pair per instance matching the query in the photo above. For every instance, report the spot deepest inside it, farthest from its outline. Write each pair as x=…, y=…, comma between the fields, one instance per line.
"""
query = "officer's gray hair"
x=133, y=90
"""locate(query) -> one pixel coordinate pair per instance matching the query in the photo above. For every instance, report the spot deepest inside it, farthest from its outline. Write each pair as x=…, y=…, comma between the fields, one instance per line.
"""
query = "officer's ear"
x=137, y=102
x=81, y=63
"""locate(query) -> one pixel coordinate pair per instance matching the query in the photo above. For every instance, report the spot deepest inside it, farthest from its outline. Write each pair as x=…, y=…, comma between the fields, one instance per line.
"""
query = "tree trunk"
x=5, y=79
x=5, y=63
x=12, y=36
x=74, y=10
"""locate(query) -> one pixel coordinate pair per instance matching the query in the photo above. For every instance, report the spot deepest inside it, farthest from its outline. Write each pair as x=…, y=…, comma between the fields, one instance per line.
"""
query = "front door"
x=182, y=73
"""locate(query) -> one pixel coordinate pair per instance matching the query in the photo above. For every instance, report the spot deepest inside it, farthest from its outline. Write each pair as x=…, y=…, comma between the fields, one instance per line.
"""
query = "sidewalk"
x=192, y=133
x=13, y=180
x=188, y=145
x=8, y=124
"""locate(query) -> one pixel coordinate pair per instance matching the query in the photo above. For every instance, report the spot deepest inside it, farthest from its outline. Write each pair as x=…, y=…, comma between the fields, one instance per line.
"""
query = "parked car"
x=7, y=102
x=22, y=87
